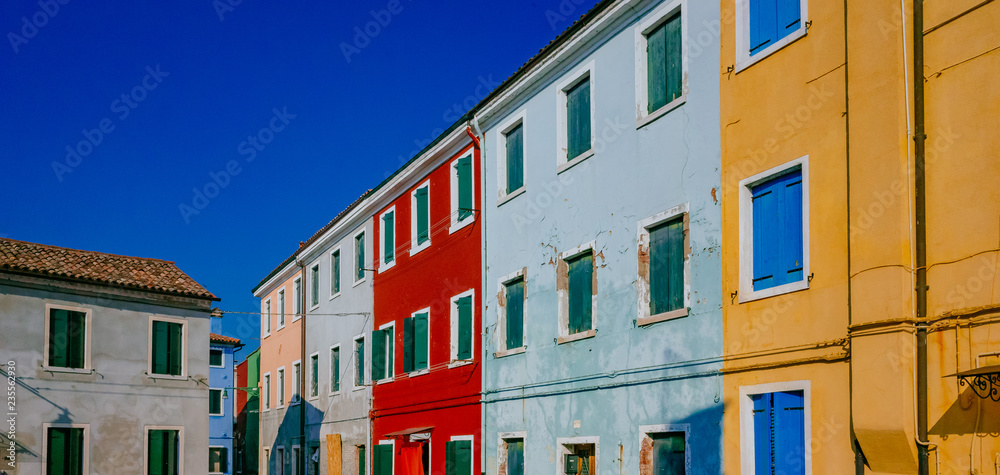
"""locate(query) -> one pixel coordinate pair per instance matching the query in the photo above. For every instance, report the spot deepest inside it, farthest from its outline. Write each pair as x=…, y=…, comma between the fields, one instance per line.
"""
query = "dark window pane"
x=215, y=358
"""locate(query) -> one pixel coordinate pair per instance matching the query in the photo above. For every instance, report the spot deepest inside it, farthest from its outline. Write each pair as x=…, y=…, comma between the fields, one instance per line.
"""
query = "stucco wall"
x=221, y=427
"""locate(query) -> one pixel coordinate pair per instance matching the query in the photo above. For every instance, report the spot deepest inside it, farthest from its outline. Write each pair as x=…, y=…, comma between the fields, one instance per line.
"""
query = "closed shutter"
x=58, y=338
x=789, y=433
x=214, y=401
x=160, y=345
x=656, y=68
x=163, y=452
x=359, y=358
x=464, y=328
x=57, y=448
x=789, y=16
x=578, y=119
x=423, y=216
x=668, y=450
x=458, y=457
x=155, y=452
x=335, y=368
x=777, y=231
x=335, y=274
x=76, y=339
x=515, y=314
x=408, y=340
x=763, y=24
x=175, y=345
x=464, y=170
x=666, y=260
x=515, y=158
x=388, y=238
x=74, y=455
x=672, y=49
x=763, y=448
x=359, y=259
x=420, y=342
x=383, y=460
x=314, y=377
x=362, y=460
x=315, y=286
x=378, y=355
x=515, y=457
x=581, y=290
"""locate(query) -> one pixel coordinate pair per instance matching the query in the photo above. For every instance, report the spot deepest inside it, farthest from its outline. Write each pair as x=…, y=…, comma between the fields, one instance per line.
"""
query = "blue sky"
x=279, y=113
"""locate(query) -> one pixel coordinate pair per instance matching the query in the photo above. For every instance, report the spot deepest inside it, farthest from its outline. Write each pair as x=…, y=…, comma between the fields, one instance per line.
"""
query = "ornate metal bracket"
x=985, y=382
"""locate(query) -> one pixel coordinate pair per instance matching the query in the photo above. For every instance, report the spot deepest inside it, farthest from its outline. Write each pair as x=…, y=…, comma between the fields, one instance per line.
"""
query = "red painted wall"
x=241, y=382
x=447, y=399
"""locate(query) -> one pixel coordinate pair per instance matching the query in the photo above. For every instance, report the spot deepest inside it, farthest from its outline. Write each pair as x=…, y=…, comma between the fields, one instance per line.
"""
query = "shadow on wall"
x=290, y=440
x=247, y=437
x=966, y=414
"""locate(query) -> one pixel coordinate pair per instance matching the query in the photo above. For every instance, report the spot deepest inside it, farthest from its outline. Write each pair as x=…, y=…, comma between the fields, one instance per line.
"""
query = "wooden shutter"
x=172, y=453
x=578, y=119
x=335, y=273
x=378, y=355
x=777, y=231
x=789, y=15
x=673, y=42
x=334, y=455
x=154, y=449
x=666, y=261
x=789, y=432
x=515, y=314
x=388, y=237
x=581, y=291
x=362, y=460
x=315, y=286
x=465, y=328
x=763, y=24
x=359, y=257
x=423, y=216
x=214, y=401
x=464, y=169
x=515, y=457
x=656, y=68
x=160, y=345
x=57, y=450
x=668, y=453
x=458, y=457
x=383, y=460
x=515, y=158
x=421, y=342
x=359, y=358
x=762, y=434
x=335, y=368
x=58, y=338
x=408, y=340
x=175, y=345
x=314, y=376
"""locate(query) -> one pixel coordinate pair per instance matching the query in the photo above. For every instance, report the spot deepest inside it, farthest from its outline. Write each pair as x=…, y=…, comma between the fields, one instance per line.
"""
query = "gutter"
x=920, y=212
x=482, y=292
x=303, y=447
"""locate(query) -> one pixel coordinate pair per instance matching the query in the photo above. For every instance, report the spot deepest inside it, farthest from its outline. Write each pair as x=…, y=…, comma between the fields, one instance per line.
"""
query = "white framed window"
x=281, y=387
x=281, y=308
x=575, y=117
x=359, y=362
x=218, y=460
x=383, y=357
x=164, y=443
x=266, y=326
x=459, y=453
x=360, y=262
x=766, y=26
x=779, y=415
x=215, y=406
x=463, y=190
x=420, y=218
x=216, y=358
x=71, y=442
x=67, y=339
x=297, y=299
x=314, y=375
x=167, y=355
x=387, y=239
x=576, y=287
x=667, y=447
x=774, y=231
x=664, y=266
x=314, y=287
x=267, y=391
x=511, y=311
x=584, y=451
x=296, y=382
x=334, y=370
x=463, y=328
x=511, y=154
x=335, y=272
x=510, y=453
x=661, y=61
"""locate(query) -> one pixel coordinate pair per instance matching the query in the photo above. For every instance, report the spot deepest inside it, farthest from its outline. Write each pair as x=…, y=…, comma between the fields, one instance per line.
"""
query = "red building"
x=426, y=346
x=241, y=382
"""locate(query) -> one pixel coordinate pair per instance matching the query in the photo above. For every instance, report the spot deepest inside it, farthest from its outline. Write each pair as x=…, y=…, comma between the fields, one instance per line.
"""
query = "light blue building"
x=603, y=321
x=221, y=402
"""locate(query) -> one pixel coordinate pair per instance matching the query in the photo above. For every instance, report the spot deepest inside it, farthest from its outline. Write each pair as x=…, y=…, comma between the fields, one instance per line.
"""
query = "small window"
x=576, y=287
x=279, y=461
x=416, y=342
x=388, y=235
x=281, y=387
x=218, y=460
x=462, y=317
x=666, y=266
x=778, y=432
x=514, y=148
x=359, y=362
x=663, y=453
x=66, y=450
x=382, y=354
x=577, y=455
x=163, y=449
x=512, y=456
x=267, y=317
x=420, y=229
x=67, y=339
x=215, y=358
x=335, y=273
x=297, y=299
x=663, y=45
x=314, y=288
x=513, y=313
x=297, y=380
x=314, y=375
x=458, y=457
x=267, y=391
x=167, y=349
x=335, y=369
x=281, y=309
x=462, y=190
x=359, y=257
x=215, y=402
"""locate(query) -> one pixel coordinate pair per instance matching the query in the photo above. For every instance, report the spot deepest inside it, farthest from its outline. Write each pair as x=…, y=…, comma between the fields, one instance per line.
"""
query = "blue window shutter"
x=764, y=236
x=515, y=457
x=656, y=68
x=789, y=432
x=792, y=260
x=763, y=448
x=777, y=231
x=674, y=58
x=763, y=24
x=789, y=17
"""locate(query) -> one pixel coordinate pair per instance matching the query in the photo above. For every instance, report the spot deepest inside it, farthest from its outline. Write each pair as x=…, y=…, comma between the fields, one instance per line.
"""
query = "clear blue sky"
x=178, y=91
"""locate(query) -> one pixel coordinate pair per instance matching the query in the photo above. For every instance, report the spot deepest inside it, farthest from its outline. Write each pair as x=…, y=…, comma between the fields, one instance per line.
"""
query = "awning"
x=414, y=433
x=985, y=381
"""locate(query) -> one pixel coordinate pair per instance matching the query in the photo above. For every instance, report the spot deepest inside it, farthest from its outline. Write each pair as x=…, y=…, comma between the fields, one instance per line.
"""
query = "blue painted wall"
x=626, y=376
x=220, y=428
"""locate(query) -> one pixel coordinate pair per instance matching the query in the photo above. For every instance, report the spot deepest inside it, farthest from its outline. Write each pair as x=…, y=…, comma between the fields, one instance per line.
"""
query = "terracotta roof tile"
x=97, y=267
x=216, y=338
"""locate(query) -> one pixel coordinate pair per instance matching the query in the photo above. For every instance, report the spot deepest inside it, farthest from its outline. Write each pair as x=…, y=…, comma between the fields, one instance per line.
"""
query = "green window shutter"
x=578, y=119
x=515, y=457
x=362, y=458
x=515, y=314
x=581, y=290
x=389, y=237
x=458, y=457
x=163, y=452
x=76, y=339
x=214, y=401
x=57, y=450
x=674, y=58
x=314, y=376
x=465, y=328
x=378, y=355
x=315, y=286
x=58, y=338
x=359, y=357
x=160, y=344
x=423, y=216
x=420, y=343
x=449, y=458
x=335, y=273
x=656, y=68
x=464, y=170
x=215, y=357
x=155, y=450
x=359, y=260
x=175, y=345
x=383, y=460
x=666, y=261
x=515, y=158
x=335, y=368
x=408, y=340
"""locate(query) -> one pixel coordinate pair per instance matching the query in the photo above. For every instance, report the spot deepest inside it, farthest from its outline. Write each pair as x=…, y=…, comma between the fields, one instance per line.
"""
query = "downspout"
x=920, y=211
x=303, y=448
x=482, y=233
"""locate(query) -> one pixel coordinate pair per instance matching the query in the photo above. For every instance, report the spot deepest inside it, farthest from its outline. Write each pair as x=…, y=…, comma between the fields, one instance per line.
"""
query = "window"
x=462, y=319
x=297, y=299
x=68, y=337
x=388, y=238
x=577, y=288
x=335, y=369
x=215, y=402
x=462, y=192
x=416, y=342
x=382, y=459
x=215, y=358
x=660, y=61
x=167, y=348
x=575, y=117
x=577, y=455
x=359, y=257
x=218, y=460
x=663, y=450
x=335, y=273
x=382, y=357
x=515, y=158
x=281, y=387
x=359, y=362
x=420, y=222
x=511, y=453
x=663, y=266
x=774, y=230
x=766, y=26
x=279, y=459
x=775, y=431
x=266, y=462
x=511, y=313
x=314, y=287
x=362, y=459
x=267, y=391
x=314, y=375
x=66, y=449
x=267, y=317
x=164, y=449
x=281, y=309
x=458, y=456
x=297, y=380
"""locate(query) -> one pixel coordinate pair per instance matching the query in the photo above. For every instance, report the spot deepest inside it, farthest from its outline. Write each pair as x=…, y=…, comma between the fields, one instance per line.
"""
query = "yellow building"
x=836, y=212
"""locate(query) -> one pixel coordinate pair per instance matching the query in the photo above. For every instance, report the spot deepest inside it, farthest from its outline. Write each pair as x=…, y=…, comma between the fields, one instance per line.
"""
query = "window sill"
x=297, y=318
x=359, y=388
x=457, y=363
x=509, y=196
x=662, y=317
x=414, y=374
x=314, y=308
x=314, y=398
x=572, y=163
x=216, y=415
x=510, y=352
x=384, y=381
x=461, y=224
x=576, y=337
x=335, y=296
x=358, y=282
x=57, y=369
x=166, y=376
x=386, y=266
x=662, y=111
x=335, y=393
x=744, y=62
x=419, y=247
x=281, y=327
x=775, y=291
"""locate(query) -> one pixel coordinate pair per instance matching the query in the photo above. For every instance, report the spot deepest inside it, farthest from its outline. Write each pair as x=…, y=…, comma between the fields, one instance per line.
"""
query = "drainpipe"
x=920, y=211
x=302, y=370
x=483, y=292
